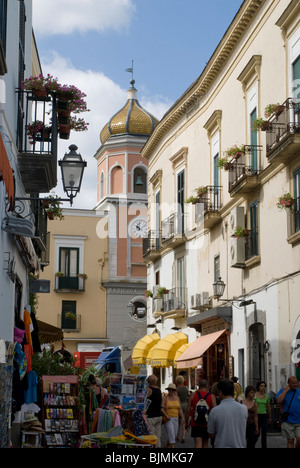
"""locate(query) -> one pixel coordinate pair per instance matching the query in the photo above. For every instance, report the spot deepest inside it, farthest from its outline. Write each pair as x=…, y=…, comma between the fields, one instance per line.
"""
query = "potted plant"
x=40, y=86
x=260, y=124
x=235, y=151
x=162, y=290
x=38, y=131
x=192, y=200
x=82, y=275
x=54, y=210
x=148, y=293
x=64, y=131
x=201, y=191
x=59, y=273
x=285, y=201
x=241, y=232
x=70, y=315
x=271, y=109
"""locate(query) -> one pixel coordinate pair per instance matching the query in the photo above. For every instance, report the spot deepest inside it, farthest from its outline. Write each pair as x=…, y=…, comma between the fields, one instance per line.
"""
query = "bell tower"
x=122, y=196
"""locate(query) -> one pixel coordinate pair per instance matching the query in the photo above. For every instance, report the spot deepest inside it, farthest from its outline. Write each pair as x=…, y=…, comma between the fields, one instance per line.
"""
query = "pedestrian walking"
x=227, y=421
x=252, y=430
x=171, y=404
x=199, y=406
x=263, y=402
x=238, y=391
x=154, y=411
x=183, y=394
x=289, y=399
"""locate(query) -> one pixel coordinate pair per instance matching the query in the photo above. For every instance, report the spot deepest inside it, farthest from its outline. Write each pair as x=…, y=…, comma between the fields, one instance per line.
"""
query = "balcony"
x=151, y=246
x=69, y=284
x=172, y=304
x=69, y=324
x=283, y=133
x=208, y=207
x=37, y=150
x=244, y=171
x=172, y=230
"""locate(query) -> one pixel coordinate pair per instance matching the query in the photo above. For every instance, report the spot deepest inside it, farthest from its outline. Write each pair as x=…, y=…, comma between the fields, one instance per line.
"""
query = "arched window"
x=102, y=185
x=116, y=180
x=139, y=180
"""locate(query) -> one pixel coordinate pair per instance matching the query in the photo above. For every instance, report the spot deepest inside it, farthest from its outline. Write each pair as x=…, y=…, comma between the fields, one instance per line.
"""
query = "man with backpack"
x=199, y=406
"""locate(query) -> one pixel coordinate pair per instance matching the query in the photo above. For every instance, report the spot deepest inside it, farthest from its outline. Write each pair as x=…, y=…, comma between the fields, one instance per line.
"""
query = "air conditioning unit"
x=195, y=301
x=237, y=252
x=237, y=218
x=204, y=299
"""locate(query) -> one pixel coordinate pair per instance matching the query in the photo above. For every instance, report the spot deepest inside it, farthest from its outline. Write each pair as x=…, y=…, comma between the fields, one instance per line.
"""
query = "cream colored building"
x=190, y=246
x=76, y=304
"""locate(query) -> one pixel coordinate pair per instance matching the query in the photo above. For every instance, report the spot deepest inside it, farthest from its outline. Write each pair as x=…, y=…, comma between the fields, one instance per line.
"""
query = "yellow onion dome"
x=132, y=119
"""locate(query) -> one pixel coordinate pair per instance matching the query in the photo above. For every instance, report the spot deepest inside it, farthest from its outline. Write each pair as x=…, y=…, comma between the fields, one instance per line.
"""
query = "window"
x=3, y=23
x=217, y=270
x=157, y=219
x=253, y=141
x=180, y=201
x=69, y=266
x=102, y=185
x=68, y=315
x=139, y=180
x=297, y=199
x=180, y=279
x=253, y=235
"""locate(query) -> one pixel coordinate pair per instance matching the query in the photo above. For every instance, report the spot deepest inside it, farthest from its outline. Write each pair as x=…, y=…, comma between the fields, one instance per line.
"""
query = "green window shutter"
x=253, y=136
x=68, y=315
x=297, y=199
x=253, y=239
x=296, y=77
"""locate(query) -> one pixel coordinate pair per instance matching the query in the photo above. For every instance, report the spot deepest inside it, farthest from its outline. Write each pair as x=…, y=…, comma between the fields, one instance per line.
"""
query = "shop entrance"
x=215, y=361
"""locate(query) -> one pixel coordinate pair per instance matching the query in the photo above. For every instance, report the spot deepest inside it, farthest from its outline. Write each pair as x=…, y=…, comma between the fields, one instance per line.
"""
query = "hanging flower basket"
x=64, y=131
x=235, y=151
x=38, y=131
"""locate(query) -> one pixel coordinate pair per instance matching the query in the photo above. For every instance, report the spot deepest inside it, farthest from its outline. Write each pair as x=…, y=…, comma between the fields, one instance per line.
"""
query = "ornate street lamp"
x=219, y=287
x=72, y=167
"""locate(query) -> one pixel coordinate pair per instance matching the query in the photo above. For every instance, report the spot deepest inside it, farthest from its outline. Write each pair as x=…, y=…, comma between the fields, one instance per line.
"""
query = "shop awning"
x=142, y=348
x=48, y=333
x=180, y=351
x=192, y=356
x=163, y=353
x=6, y=174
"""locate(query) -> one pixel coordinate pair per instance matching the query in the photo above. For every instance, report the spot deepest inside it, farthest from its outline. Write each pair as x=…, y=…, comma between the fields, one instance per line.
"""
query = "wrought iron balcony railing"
x=210, y=202
x=37, y=148
x=152, y=242
x=69, y=284
x=284, y=123
x=172, y=227
x=245, y=167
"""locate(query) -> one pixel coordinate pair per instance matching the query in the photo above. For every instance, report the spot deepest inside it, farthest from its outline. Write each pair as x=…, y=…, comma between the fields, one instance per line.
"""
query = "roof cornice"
x=200, y=87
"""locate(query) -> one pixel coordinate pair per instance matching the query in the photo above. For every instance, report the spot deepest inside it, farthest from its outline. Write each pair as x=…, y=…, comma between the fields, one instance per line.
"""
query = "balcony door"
x=180, y=202
x=253, y=137
x=69, y=266
x=297, y=199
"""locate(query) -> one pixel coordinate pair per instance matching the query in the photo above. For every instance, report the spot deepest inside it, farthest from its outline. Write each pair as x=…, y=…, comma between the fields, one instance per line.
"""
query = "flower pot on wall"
x=64, y=131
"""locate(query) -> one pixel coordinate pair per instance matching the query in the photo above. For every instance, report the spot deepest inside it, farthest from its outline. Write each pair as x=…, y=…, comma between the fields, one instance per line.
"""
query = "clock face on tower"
x=139, y=228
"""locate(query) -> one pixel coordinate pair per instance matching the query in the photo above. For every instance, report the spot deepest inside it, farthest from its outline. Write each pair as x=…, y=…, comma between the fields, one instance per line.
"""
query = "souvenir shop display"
x=61, y=410
x=122, y=420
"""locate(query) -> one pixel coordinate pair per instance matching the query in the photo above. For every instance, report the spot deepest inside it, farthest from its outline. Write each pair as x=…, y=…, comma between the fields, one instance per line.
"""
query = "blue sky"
x=92, y=42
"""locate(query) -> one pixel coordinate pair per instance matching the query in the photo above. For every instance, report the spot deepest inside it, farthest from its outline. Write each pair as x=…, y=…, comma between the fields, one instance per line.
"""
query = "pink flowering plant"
x=36, y=128
x=235, y=151
x=40, y=83
x=286, y=201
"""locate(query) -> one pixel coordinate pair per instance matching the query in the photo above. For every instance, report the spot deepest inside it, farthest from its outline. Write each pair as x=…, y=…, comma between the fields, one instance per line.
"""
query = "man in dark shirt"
x=154, y=411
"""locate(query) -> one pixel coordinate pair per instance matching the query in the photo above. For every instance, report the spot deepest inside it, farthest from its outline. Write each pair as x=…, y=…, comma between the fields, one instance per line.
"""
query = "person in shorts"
x=289, y=399
x=199, y=431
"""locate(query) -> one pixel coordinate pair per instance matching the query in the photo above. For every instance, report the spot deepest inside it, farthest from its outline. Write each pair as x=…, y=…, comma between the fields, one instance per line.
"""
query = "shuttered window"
x=297, y=199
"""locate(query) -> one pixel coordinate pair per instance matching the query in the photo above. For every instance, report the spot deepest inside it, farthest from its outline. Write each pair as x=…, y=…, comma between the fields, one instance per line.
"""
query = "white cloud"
x=104, y=98
x=52, y=17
